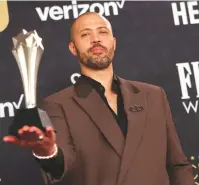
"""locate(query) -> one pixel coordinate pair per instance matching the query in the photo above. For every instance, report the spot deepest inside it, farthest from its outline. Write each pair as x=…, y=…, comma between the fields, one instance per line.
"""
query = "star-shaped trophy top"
x=27, y=39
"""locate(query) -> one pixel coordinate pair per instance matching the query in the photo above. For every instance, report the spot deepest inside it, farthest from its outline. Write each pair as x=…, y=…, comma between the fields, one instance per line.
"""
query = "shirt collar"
x=98, y=86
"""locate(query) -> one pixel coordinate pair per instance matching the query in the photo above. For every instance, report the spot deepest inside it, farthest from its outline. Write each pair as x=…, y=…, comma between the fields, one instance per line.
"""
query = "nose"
x=95, y=39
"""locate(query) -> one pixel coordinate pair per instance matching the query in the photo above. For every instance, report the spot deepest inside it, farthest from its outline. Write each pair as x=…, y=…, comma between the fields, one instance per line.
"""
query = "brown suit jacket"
x=95, y=150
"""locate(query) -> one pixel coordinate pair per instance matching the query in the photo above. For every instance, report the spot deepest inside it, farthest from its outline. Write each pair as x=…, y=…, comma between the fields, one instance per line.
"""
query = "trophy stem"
x=32, y=73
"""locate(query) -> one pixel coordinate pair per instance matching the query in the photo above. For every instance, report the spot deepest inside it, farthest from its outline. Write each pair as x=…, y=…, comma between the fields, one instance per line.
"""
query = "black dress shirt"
x=55, y=165
x=120, y=117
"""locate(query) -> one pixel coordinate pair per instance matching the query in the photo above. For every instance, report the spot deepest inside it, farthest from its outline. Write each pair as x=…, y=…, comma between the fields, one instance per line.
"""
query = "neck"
x=105, y=76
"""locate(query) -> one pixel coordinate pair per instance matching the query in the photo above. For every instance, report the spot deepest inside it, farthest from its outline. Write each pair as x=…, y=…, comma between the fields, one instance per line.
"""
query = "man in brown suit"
x=110, y=131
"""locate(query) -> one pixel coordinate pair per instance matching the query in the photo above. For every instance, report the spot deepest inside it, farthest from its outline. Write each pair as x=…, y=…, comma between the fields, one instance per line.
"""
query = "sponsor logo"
x=75, y=9
x=7, y=109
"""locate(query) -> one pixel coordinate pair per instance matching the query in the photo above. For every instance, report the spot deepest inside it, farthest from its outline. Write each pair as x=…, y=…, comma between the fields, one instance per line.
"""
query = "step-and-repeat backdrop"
x=157, y=42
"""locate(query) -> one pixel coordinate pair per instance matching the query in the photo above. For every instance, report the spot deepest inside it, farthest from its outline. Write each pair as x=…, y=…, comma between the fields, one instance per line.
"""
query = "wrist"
x=43, y=150
x=46, y=154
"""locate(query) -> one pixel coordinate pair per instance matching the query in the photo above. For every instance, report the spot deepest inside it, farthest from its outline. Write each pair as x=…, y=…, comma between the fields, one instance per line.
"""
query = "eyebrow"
x=89, y=29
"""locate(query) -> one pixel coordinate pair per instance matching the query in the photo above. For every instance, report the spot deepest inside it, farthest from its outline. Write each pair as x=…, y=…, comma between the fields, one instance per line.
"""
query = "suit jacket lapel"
x=92, y=104
x=136, y=109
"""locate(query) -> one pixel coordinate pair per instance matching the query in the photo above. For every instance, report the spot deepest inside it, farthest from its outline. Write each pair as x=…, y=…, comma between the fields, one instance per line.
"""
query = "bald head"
x=84, y=19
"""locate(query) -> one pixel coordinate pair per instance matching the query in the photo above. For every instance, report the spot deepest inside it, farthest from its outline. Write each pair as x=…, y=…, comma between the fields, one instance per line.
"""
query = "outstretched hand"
x=41, y=143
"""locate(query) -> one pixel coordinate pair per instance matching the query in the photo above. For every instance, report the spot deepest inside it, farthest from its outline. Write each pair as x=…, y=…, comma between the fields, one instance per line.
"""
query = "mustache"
x=97, y=45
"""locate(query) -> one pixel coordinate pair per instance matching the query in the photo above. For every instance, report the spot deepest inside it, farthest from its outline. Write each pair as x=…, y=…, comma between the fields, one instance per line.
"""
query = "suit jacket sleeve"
x=53, y=170
x=178, y=167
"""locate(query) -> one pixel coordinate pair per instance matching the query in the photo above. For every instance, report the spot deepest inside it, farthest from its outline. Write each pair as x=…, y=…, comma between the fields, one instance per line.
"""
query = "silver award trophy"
x=27, y=51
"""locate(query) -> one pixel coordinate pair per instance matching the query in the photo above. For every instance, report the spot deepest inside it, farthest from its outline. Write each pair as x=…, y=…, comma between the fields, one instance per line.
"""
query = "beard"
x=96, y=61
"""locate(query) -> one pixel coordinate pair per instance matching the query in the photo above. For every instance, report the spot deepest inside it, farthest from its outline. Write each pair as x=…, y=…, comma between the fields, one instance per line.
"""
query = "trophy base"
x=31, y=117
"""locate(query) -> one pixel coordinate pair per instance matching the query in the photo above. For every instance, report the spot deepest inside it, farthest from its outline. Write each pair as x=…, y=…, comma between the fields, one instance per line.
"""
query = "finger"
x=25, y=128
x=38, y=132
x=23, y=132
x=16, y=141
x=50, y=132
x=20, y=131
x=30, y=133
x=34, y=130
x=11, y=139
x=49, y=128
x=27, y=133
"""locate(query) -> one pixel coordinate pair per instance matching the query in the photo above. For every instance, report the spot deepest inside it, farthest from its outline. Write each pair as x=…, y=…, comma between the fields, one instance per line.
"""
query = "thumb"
x=11, y=139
